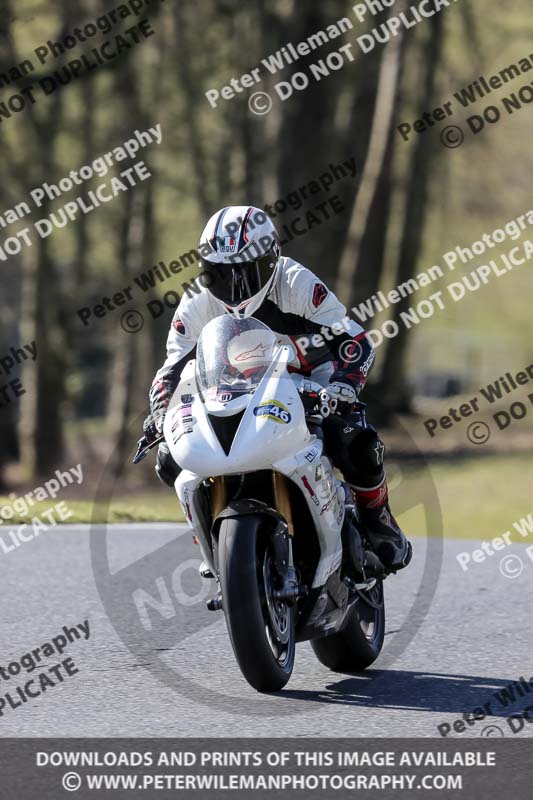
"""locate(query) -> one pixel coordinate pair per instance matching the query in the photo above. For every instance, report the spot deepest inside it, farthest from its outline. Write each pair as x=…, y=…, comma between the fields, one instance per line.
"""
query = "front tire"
x=359, y=642
x=261, y=629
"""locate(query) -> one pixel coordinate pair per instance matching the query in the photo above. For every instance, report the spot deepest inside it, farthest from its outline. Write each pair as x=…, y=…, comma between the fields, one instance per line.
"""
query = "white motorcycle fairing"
x=273, y=425
x=271, y=435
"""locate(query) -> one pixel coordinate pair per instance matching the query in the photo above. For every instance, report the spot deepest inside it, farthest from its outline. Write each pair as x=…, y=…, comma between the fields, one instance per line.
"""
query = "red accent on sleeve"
x=305, y=365
x=162, y=392
x=319, y=294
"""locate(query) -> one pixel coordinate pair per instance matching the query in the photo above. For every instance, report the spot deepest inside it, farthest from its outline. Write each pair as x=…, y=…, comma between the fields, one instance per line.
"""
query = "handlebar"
x=316, y=399
x=319, y=404
x=143, y=448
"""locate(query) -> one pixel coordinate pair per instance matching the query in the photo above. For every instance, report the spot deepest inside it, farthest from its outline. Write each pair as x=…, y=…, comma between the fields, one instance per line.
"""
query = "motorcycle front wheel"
x=357, y=645
x=261, y=628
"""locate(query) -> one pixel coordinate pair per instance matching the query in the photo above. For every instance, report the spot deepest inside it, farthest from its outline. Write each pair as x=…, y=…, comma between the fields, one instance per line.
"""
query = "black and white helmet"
x=239, y=251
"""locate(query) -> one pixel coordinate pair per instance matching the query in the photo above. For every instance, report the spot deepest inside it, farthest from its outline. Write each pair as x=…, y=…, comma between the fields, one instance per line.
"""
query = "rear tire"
x=261, y=629
x=360, y=641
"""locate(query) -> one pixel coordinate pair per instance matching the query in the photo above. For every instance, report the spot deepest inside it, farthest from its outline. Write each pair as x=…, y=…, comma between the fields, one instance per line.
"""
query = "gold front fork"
x=282, y=499
x=218, y=495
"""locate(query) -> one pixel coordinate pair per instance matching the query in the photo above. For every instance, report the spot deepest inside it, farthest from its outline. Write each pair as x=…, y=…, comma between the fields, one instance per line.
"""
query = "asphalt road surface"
x=157, y=663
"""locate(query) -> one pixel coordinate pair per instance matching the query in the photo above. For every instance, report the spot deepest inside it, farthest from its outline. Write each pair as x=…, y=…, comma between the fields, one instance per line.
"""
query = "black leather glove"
x=153, y=427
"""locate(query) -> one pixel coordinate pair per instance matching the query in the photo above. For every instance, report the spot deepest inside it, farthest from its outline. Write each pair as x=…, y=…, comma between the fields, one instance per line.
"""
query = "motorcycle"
x=279, y=531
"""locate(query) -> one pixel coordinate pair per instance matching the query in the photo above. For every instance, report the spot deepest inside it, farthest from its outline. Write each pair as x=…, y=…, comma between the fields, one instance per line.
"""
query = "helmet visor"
x=233, y=284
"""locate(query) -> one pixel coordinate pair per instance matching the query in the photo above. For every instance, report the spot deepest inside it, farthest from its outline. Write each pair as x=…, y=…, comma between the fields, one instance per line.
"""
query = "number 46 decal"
x=274, y=410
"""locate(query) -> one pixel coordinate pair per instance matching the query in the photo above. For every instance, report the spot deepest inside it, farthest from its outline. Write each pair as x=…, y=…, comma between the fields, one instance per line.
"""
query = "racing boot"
x=205, y=570
x=383, y=532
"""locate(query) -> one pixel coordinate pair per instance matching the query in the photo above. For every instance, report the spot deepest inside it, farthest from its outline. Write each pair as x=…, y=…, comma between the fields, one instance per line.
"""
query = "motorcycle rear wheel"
x=358, y=644
x=261, y=629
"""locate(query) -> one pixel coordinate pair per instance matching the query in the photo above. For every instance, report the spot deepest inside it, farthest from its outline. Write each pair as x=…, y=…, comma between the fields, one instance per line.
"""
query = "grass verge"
x=480, y=498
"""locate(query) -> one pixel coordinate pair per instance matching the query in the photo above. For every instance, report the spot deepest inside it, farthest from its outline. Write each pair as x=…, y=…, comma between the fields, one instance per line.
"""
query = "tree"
x=394, y=389
x=362, y=259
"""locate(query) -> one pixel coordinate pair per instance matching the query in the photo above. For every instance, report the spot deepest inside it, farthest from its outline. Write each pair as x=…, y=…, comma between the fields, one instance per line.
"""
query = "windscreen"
x=232, y=357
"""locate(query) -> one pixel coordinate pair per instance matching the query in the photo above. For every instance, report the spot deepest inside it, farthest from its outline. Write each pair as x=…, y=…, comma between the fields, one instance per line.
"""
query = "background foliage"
x=410, y=203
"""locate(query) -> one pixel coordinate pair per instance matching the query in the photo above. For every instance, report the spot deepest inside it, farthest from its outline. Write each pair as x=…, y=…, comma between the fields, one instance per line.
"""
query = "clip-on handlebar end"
x=142, y=451
x=143, y=448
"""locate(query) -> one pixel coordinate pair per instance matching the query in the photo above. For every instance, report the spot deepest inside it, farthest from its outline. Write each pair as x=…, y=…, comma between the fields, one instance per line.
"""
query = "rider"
x=244, y=274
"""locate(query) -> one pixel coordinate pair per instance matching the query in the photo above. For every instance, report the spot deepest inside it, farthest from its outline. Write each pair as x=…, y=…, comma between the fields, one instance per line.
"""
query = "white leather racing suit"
x=299, y=309
x=330, y=347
